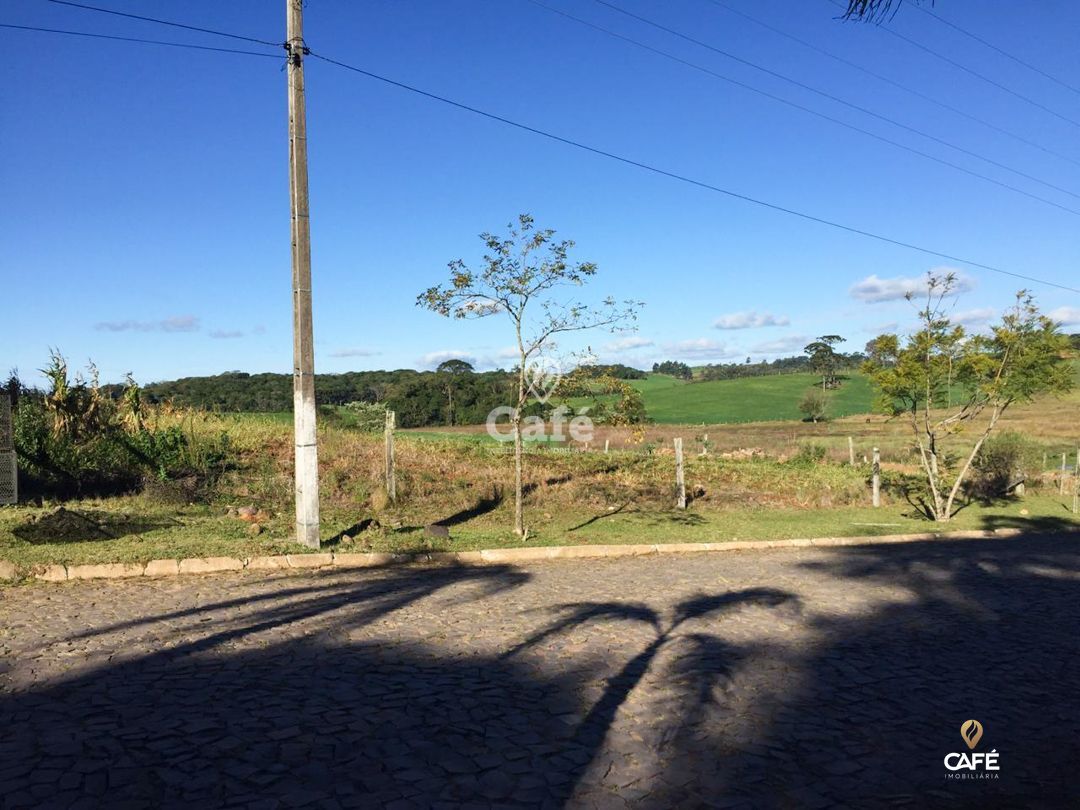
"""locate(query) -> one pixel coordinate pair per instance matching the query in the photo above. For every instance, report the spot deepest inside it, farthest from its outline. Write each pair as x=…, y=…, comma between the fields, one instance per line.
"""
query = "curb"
x=344, y=560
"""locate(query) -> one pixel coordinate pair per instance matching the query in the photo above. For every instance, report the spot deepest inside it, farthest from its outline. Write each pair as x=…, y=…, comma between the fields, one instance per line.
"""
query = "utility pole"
x=307, y=454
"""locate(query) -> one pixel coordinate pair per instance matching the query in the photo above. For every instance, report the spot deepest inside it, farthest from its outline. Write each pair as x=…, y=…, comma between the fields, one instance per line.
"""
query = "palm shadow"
x=720, y=661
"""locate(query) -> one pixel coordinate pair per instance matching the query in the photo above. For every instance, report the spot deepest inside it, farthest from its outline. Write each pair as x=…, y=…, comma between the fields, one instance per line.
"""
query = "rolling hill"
x=749, y=399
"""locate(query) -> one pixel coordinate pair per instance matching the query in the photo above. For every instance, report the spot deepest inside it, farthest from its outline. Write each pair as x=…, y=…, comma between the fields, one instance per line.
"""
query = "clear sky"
x=145, y=218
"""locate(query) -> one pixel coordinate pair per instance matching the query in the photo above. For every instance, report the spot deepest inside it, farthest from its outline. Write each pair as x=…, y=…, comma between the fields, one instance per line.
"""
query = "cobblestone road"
x=797, y=678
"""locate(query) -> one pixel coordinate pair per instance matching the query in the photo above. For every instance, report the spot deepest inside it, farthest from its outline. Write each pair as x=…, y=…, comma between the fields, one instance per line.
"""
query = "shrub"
x=369, y=417
x=72, y=441
x=809, y=454
x=1002, y=462
x=813, y=404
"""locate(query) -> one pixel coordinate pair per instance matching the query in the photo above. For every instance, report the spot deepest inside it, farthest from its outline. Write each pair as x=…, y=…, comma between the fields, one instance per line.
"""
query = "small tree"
x=813, y=404
x=824, y=359
x=1022, y=358
x=525, y=268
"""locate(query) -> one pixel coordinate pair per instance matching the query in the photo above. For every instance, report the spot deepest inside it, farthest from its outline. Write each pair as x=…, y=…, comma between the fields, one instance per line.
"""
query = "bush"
x=813, y=404
x=1003, y=462
x=73, y=441
x=809, y=454
x=369, y=417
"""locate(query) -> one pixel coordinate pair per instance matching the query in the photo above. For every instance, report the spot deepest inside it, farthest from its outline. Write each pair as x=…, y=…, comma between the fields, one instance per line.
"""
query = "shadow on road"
x=276, y=699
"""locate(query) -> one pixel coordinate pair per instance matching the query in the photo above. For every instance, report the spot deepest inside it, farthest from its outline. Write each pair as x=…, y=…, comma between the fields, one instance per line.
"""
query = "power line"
x=882, y=78
x=1001, y=51
x=971, y=71
x=621, y=159
x=167, y=22
x=144, y=41
x=684, y=178
x=832, y=97
x=797, y=106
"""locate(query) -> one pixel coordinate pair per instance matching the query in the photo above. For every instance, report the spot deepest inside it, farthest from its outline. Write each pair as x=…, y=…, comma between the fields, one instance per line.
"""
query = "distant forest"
x=424, y=398
x=420, y=398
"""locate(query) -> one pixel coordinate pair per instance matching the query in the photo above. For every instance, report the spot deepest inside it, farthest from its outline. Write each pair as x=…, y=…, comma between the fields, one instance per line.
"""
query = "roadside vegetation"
x=109, y=475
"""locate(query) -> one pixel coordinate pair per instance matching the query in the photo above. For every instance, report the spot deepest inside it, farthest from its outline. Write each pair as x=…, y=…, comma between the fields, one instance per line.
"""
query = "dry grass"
x=1053, y=423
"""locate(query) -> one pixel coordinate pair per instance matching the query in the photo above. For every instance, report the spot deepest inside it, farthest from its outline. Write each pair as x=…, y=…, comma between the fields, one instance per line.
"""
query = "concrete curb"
x=208, y=565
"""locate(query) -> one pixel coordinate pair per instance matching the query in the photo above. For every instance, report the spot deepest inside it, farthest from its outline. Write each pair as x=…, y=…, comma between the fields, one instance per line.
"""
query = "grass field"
x=576, y=494
x=669, y=401
x=145, y=530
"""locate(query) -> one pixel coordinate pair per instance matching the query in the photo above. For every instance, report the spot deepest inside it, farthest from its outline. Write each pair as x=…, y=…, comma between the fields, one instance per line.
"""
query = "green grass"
x=142, y=530
x=751, y=399
x=147, y=531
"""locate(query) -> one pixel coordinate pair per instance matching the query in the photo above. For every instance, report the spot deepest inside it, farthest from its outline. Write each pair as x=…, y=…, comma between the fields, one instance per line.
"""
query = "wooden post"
x=607, y=442
x=680, y=480
x=851, y=451
x=391, y=481
x=1061, y=484
x=705, y=445
x=306, y=452
x=877, y=478
x=1076, y=485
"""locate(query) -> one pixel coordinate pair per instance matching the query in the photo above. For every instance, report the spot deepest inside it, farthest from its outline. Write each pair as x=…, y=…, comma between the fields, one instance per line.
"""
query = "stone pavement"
x=796, y=678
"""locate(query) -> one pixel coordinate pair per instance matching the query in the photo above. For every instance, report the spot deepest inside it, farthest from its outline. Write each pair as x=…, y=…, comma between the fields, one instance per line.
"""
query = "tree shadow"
x=678, y=517
x=257, y=709
x=76, y=526
x=864, y=716
x=481, y=507
x=278, y=696
x=352, y=531
x=601, y=515
x=1031, y=525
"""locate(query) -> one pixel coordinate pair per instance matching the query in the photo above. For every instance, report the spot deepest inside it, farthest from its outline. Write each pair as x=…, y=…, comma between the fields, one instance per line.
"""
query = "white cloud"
x=874, y=290
x=1066, y=316
x=354, y=353
x=971, y=317
x=627, y=344
x=784, y=345
x=750, y=320
x=883, y=329
x=175, y=323
x=432, y=359
x=226, y=334
x=700, y=349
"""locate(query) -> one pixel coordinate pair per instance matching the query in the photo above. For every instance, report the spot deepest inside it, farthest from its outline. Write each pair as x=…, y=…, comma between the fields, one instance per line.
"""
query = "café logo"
x=974, y=765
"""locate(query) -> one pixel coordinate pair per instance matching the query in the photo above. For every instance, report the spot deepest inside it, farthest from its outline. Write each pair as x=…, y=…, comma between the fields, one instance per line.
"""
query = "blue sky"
x=146, y=223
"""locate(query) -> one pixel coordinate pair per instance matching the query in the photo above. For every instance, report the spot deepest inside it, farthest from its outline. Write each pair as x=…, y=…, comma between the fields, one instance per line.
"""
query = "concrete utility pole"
x=307, y=454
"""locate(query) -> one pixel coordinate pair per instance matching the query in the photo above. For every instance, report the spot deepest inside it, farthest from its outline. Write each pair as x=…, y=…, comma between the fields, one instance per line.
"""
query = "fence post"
x=851, y=451
x=1061, y=484
x=391, y=483
x=1076, y=484
x=680, y=481
x=607, y=442
x=877, y=477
